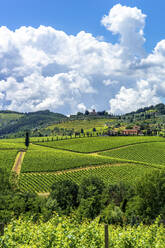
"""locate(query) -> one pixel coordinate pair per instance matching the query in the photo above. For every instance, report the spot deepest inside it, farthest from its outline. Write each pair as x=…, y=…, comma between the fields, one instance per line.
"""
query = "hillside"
x=45, y=123
x=12, y=122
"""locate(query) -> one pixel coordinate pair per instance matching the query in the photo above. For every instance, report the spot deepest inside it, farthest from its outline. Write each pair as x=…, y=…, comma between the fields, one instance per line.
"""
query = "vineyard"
x=7, y=158
x=151, y=153
x=67, y=232
x=96, y=144
x=41, y=182
x=11, y=145
x=39, y=159
x=78, y=124
x=47, y=162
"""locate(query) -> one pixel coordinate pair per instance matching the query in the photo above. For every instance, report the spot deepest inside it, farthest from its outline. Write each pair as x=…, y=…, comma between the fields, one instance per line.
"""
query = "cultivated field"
x=78, y=124
x=151, y=153
x=41, y=182
x=7, y=158
x=40, y=159
x=113, y=159
x=96, y=144
x=11, y=145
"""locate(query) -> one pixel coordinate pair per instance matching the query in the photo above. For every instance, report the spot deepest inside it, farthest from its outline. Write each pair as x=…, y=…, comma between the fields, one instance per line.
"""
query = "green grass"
x=39, y=159
x=41, y=182
x=93, y=144
x=151, y=153
x=7, y=159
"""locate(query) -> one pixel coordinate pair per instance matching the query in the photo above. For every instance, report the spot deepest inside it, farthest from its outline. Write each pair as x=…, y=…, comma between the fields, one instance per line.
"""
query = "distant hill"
x=45, y=123
x=159, y=109
x=14, y=122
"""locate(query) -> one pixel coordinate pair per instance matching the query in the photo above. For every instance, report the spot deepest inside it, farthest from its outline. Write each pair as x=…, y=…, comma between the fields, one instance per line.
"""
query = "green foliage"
x=90, y=186
x=149, y=199
x=68, y=232
x=120, y=192
x=89, y=208
x=65, y=194
x=112, y=215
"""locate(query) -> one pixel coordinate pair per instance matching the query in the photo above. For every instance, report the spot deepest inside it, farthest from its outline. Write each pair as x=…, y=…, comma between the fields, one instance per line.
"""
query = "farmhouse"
x=134, y=131
x=130, y=132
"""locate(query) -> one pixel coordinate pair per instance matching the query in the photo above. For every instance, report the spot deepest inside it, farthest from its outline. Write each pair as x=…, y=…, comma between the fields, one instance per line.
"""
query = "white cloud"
x=129, y=23
x=81, y=107
x=131, y=99
x=44, y=68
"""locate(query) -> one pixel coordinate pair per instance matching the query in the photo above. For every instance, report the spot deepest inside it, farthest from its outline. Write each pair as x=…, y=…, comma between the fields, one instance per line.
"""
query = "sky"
x=69, y=56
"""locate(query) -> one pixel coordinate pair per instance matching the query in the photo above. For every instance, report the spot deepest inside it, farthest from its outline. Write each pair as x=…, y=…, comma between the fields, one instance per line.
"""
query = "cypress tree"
x=27, y=139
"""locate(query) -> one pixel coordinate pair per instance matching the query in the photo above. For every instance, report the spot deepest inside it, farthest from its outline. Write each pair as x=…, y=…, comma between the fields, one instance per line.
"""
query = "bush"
x=112, y=215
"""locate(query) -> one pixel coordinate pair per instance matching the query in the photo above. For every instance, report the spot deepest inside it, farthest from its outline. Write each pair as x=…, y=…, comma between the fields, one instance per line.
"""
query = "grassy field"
x=7, y=158
x=94, y=144
x=41, y=182
x=152, y=153
x=38, y=159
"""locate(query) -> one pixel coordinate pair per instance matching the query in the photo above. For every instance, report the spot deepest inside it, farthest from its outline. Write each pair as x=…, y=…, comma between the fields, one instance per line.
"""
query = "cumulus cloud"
x=131, y=99
x=44, y=68
x=129, y=23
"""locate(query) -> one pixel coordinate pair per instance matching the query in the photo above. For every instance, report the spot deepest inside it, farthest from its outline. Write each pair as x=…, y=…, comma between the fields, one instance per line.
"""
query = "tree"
x=27, y=139
x=86, y=112
x=90, y=187
x=90, y=197
x=65, y=193
x=82, y=130
x=149, y=199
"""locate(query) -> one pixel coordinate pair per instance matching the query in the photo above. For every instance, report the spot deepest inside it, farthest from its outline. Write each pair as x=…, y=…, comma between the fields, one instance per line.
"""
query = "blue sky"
x=92, y=63
x=72, y=16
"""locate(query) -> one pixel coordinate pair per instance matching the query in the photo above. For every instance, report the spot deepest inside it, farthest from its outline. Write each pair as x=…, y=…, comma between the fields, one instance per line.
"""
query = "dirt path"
x=43, y=194
x=18, y=162
x=76, y=169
